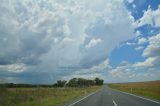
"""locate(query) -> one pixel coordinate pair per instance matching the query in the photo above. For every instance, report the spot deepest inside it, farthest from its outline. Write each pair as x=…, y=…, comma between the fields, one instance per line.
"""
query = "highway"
x=110, y=97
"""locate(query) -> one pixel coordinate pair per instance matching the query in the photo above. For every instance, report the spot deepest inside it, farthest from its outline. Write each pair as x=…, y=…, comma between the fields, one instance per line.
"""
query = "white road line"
x=83, y=98
x=137, y=96
x=114, y=103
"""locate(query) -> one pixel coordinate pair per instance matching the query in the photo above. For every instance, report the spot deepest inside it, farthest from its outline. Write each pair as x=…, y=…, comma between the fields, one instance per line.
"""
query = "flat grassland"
x=41, y=96
x=149, y=89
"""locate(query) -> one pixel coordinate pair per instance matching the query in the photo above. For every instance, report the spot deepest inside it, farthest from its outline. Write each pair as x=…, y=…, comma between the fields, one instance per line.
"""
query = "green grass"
x=41, y=96
x=147, y=89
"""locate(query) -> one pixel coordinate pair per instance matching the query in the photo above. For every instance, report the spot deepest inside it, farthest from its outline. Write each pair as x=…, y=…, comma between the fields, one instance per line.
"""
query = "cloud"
x=133, y=6
x=138, y=33
x=142, y=41
x=153, y=48
x=139, y=48
x=93, y=42
x=151, y=52
x=130, y=43
x=130, y=1
x=14, y=67
x=95, y=71
x=130, y=74
x=49, y=34
x=149, y=62
x=138, y=71
x=150, y=17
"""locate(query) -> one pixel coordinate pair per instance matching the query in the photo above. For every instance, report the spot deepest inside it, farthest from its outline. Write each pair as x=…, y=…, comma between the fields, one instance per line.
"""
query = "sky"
x=42, y=41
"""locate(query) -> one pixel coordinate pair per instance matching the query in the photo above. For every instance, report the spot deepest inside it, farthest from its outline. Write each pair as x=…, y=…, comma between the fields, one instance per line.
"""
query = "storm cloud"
x=39, y=37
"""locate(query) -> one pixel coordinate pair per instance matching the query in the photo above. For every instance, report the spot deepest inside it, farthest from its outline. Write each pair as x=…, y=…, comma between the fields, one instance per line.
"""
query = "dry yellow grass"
x=149, y=89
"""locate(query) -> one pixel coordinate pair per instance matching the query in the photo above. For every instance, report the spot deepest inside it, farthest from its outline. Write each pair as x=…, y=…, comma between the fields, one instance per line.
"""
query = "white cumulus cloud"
x=139, y=48
x=46, y=35
x=142, y=40
x=93, y=42
x=150, y=17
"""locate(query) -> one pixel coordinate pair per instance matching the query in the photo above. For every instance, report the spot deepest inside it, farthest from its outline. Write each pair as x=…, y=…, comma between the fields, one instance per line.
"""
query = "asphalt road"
x=110, y=97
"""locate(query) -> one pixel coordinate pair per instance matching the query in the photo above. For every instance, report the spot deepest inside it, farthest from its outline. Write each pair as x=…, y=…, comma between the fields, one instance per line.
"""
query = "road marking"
x=137, y=96
x=83, y=98
x=114, y=103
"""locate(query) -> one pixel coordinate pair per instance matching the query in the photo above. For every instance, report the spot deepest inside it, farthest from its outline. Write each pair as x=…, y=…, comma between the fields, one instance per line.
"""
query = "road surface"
x=110, y=97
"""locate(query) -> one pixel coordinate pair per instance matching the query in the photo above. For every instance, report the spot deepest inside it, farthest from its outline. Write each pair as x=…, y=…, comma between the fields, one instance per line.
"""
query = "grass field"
x=41, y=96
x=147, y=89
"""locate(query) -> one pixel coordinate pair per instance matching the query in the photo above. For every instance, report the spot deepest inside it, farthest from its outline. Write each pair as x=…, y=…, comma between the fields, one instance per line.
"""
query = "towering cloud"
x=58, y=37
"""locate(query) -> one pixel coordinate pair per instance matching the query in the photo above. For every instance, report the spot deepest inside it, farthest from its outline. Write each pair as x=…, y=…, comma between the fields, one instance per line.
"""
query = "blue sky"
x=137, y=12
x=141, y=5
x=42, y=41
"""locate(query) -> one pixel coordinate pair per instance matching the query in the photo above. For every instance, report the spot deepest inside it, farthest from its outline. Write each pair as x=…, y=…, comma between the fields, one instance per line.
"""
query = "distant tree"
x=80, y=82
x=98, y=81
x=73, y=82
x=61, y=83
x=55, y=85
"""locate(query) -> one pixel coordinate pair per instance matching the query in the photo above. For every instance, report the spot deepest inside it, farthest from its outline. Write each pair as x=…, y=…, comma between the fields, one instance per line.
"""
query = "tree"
x=73, y=82
x=98, y=81
x=61, y=83
x=79, y=82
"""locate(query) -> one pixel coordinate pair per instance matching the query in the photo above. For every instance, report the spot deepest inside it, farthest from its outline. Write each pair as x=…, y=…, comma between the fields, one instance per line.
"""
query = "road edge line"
x=83, y=98
x=137, y=96
x=114, y=103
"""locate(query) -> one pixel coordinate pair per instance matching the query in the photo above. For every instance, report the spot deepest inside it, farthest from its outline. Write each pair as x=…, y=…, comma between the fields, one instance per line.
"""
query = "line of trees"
x=79, y=82
x=12, y=85
x=74, y=82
